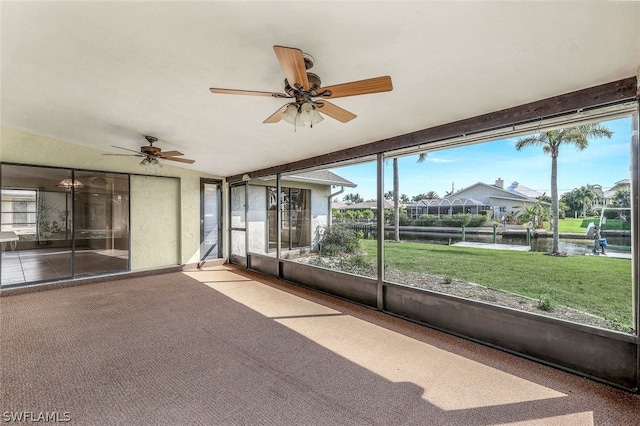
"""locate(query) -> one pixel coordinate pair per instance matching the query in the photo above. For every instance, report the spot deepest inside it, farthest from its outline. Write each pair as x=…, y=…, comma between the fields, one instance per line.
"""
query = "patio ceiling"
x=107, y=73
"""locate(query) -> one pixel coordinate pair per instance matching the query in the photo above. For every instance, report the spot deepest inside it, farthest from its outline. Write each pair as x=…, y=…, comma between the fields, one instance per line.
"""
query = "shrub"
x=427, y=220
x=544, y=303
x=338, y=239
x=456, y=220
x=477, y=220
x=405, y=220
x=355, y=263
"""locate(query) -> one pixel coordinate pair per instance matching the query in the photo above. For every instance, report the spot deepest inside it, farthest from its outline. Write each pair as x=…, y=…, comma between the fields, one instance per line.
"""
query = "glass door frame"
x=203, y=182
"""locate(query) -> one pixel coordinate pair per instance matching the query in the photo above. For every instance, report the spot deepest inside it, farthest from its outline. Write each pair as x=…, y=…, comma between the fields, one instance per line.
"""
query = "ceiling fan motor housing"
x=150, y=150
x=314, y=84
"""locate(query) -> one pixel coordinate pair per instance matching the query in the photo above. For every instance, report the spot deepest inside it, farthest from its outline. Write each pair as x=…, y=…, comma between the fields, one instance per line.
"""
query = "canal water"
x=569, y=246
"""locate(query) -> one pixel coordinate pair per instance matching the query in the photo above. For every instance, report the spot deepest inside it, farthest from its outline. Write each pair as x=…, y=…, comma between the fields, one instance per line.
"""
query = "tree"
x=353, y=198
x=581, y=198
x=368, y=214
x=388, y=195
x=551, y=141
x=432, y=195
x=587, y=195
x=396, y=194
x=536, y=214
x=404, y=199
x=571, y=200
x=419, y=197
x=622, y=198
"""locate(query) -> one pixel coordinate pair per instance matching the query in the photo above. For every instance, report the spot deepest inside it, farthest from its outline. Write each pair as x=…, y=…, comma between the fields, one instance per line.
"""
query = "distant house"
x=477, y=198
x=621, y=185
x=445, y=206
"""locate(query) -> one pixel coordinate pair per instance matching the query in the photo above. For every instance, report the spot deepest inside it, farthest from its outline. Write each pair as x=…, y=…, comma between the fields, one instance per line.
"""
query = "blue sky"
x=604, y=162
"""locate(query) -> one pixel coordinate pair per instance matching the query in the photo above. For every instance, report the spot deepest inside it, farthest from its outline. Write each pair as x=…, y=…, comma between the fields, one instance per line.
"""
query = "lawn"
x=579, y=225
x=597, y=285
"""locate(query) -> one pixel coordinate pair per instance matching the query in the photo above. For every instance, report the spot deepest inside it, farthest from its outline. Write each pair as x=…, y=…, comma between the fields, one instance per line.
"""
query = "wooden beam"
x=605, y=94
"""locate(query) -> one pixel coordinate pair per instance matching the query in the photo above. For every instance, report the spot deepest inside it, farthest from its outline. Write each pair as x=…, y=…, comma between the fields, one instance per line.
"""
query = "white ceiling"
x=107, y=73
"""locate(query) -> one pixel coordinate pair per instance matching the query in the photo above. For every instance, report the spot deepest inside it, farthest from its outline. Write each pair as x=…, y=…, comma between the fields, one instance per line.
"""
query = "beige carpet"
x=223, y=346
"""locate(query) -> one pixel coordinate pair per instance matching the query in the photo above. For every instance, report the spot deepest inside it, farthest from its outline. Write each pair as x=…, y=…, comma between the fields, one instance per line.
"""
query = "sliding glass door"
x=101, y=218
x=36, y=225
x=59, y=223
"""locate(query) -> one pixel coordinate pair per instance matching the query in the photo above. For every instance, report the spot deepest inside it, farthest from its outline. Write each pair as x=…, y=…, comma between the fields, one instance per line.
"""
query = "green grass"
x=579, y=225
x=597, y=285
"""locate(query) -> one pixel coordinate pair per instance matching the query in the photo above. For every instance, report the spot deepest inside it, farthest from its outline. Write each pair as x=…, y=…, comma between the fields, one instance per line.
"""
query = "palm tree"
x=587, y=195
x=432, y=195
x=550, y=142
x=396, y=194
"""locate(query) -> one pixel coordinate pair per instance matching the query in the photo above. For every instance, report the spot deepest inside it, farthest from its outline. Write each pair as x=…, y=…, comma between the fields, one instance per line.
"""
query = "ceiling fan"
x=304, y=87
x=151, y=153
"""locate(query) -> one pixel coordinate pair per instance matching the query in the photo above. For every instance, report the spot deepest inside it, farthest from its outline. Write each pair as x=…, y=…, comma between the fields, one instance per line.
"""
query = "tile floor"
x=50, y=264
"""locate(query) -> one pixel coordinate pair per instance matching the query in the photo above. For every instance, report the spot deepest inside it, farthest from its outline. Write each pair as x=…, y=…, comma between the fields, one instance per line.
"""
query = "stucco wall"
x=27, y=148
x=159, y=229
x=257, y=221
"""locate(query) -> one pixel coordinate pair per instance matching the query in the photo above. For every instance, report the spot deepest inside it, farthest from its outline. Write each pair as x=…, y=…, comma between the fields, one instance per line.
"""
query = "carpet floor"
x=222, y=346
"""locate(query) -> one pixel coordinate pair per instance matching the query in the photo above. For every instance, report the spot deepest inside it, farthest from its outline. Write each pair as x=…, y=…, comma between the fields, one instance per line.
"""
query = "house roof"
x=371, y=205
x=497, y=192
x=621, y=184
x=527, y=192
x=455, y=201
x=325, y=177
x=106, y=73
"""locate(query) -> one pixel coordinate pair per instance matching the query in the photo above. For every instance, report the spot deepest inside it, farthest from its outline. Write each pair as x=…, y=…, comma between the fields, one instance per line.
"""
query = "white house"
x=305, y=210
x=496, y=198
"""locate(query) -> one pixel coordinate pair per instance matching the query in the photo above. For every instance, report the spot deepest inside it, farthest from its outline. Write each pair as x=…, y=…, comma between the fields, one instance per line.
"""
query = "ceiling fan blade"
x=181, y=160
x=276, y=116
x=126, y=149
x=169, y=154
x=292, y=63
x=336, y=112
x=127, y=155
x=361, y=87
x=248, y=92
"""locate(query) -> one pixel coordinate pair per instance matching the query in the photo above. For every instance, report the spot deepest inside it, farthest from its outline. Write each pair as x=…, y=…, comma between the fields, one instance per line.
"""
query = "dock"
x=616, y=255
x=512, y=247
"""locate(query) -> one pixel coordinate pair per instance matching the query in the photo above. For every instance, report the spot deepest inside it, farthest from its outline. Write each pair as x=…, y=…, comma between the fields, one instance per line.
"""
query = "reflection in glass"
x=295, y=222
x=326, y=211
x=238, y=225
x=36, y=220
x=210, y=221
x=101, y=218
x=58, y=224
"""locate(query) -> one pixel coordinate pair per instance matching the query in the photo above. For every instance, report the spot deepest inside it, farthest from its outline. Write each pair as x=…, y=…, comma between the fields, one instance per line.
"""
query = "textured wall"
x=27, y=148
x=155, y=222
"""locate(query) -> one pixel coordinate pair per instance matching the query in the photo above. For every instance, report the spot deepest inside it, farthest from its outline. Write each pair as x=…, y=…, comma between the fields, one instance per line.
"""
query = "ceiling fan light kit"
x=301, y=114
x=68, y=183
x=303, y=86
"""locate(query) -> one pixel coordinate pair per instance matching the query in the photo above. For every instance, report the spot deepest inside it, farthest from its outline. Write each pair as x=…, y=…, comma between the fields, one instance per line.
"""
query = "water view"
x=567, y=245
